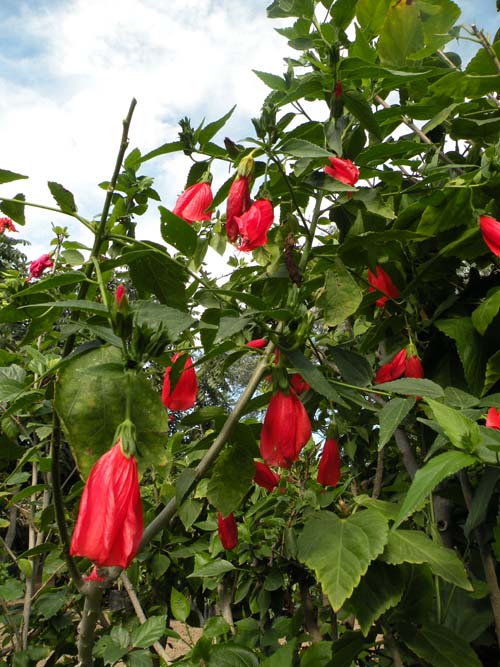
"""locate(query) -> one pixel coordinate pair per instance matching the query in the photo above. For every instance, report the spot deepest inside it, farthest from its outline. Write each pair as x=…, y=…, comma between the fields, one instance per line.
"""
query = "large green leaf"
x=356, y=103
x=413, y=546
x=340, y=550
x=381, y=588
x=371, y=15
x=149, y=632
x=412, y=387
x=232, y=656
x=212, y=128
x=492, y=374
x=283, y=657
x=90, y=400
x=313, y=376
x=487, y=310
x=7, y=176
x=461, y=431
x=401, y=33
x=346, y=649
x=341, y=296
x=428, y=477
x=391, y=416
x=469, y=347
x=63, y=197
x=354, y=367
x=481, y=500
x=156, y=316
x=177, y=232
x=231, y=478
x=303, y=148
x=441, y=647
x=15, y=209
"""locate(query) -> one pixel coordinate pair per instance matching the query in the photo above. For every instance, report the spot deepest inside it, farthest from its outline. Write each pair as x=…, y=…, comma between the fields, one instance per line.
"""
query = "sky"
x=69, y=68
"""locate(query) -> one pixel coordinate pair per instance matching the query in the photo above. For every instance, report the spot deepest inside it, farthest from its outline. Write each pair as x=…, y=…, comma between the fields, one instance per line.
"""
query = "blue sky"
x=68, y=69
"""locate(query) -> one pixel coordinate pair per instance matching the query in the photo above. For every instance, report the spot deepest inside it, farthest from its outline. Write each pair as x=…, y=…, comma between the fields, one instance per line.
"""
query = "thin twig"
x=485, y=43
x=379, y=473
x=141, y=616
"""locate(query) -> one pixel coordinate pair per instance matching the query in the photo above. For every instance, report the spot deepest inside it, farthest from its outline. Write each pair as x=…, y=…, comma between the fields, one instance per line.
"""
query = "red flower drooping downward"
x=400, y=364
x=238, y=202
x=493, y=418
x=329, y=464
x=490, y=229
x=7, y=224
x=257, y=343
x=109, y=526
x=285, y=431
x=228, y=530
x=38, y=266
x=254, y=225
x=265, y=477
x=381, y=281
x=193, y=203
x=342, y=170
x=183, y=395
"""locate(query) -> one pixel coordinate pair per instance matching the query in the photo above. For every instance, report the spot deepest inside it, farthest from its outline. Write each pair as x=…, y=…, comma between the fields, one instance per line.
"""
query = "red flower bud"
x=238, y=202
x=228, y=530
x=298, y=384
x=382, y=282
x=493, y=418
x=193, y=203
x=329, y=464
x=183, y=395
x=109, y=526
x=254, y=224
x=490, y=229
x=265, y=477
x=38, y=266
x=285, y=431
x=414, y=368
x=7, y=224
x=342, y=170
x=257, y=343
x=119, y=294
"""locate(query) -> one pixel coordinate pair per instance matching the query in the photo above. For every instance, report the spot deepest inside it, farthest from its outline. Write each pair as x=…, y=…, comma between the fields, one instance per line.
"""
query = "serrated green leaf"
x=179, y=604
x=391, y=416
x=212, y=569
x=342, y=295
x=231, y=478
x=15, y=209
x=170, y=147
x=381, y=588
x=157, y=316
x=461, y=431
x=371, y=15
x=283, y=657
x=356, y=103
x=271, y=80
x=401, y=34
x=354, y=368
x=303, y=148
x=228, y=326
x=139, y=659
x=177, y=232
x=50, y=603
x=340, y=550
x=492, y=373
x=212, y=128
x=487, y=310
x=63, y=197
x=469, y=347
x=413, y=387
x=459, y=399
x=441, y=647
x=428, y=477
x=481, y=499
x=149, y=632
x=7, y=176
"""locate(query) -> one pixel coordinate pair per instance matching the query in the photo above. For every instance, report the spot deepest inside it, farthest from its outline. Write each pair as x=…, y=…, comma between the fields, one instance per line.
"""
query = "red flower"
x=285, y=431
x=254, y=224
x=109, y=526
x=342, y=170
x=382, y=282
x=193, y=203
x=228, y=530
x=337, y=91
x=393, y=369
x=490, y=229
x=414, y=368
x=257, y=343
x=238, y=202
x=38, y=266
x=298, y=384
x=265, y=477
x=493, y=418
x=329, y=464
x=7, y=224
x=119, y=294
x=183, y=396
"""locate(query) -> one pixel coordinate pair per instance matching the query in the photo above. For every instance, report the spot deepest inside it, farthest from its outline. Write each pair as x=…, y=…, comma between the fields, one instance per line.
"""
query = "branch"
x=379, y=473
x=141, y=616
x=86, y=628
x=486, y=46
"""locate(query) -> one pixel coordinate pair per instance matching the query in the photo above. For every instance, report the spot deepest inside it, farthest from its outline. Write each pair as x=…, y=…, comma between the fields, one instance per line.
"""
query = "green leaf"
x=371, y=15
x=391, y=416
x=149, y=632
x=461, y=431
x=481, y=500
x=215, y=627
x=412, y=387
x=50, y=603
x=401, y=34
x=212, y=128
x=441, y=647
x=15, y=209
x=459, y=399
x=453, y=209
x=428, y=477
x=355, y=102
x=413, y=546
x=228, y=326
x=318, y=654
x=179, y=604
x=340, y=550
x=487, y=310
x=107, y=649
x=346, y=649
x=63, y=197
x=381, y=588
x=379, y=153
x=313, y=376
x=354, y=368
x=283, y=657
x=341, y=295
x=92, y=405
x=7, y=176
x=28, y=491
x=271, y=80
x=139, y=659
x=52, y=282
x=231, y=478
x=303, y=148
x=11, y=589
x=492, y=373
x=469, y=347
x=156, y=316
x=212, y=569
x=170, y=147
x=232, y=656
x=177, y=232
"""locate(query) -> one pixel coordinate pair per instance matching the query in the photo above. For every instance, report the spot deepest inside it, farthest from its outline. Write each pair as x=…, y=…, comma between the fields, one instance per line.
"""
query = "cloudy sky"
x=69, y=68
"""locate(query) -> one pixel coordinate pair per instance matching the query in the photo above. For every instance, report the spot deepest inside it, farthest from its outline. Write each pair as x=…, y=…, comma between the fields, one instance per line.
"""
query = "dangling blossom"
x=265, y=477
x=183, y=395
x=342, y=170
x=493, y=418
x=329, y=463
x=254, y=224
x=380, y=281
x=228, y=531
x=193, y=203
x=7, y=224
x=38, y=266
x=490, y=229
x=285, y=431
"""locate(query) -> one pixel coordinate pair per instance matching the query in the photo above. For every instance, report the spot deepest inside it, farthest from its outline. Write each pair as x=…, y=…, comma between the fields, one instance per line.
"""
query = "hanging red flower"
x=183, y=395
x=193, y=203
x=414, y=368
x=342, y=170
x=285, y=431
x=493, y=418
x=265, y=477
x=238, y=202
x=490, y=229
x=329, y=464
x=7, y=224
x=393, y=369
x=254, y=224
x=109, y=526
x=381, y=281
x=38, y=266
x=298, y=384
x=228, y=530
x=119, y=294
x=257, y=343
